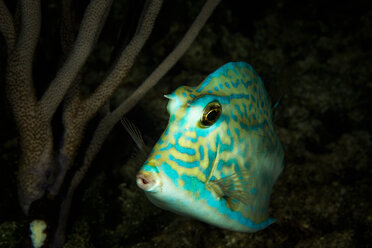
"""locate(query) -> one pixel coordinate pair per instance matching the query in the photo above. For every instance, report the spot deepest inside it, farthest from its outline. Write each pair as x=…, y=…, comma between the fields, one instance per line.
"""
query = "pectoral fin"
x=238, y=186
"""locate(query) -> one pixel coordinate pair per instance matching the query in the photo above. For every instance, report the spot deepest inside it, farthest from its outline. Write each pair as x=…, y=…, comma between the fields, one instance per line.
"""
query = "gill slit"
x=214, y=165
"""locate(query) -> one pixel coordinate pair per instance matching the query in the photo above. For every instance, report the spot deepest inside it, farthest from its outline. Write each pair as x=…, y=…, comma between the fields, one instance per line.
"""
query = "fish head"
x=175, y=174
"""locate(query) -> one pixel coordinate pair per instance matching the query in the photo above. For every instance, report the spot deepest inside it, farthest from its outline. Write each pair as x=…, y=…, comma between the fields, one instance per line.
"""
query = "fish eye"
x=210, y=114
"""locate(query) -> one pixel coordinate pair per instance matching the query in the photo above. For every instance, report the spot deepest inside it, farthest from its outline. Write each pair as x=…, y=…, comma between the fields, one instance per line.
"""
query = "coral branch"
x=125, y=61
x=35, y=136
x=29, y=34
x=168, y=62
x=89, y=30
x=78, y=114
x=67, y=41
x=7, y=26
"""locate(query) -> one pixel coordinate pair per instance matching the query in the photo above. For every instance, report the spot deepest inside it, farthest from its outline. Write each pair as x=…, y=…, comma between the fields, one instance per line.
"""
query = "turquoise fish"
x=219, y=157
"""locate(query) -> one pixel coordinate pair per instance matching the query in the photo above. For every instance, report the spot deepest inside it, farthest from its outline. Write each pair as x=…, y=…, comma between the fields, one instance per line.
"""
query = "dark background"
x=315, y=56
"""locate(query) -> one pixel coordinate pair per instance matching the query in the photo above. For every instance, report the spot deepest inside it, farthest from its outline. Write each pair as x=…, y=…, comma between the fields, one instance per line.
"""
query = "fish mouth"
x=148, y=181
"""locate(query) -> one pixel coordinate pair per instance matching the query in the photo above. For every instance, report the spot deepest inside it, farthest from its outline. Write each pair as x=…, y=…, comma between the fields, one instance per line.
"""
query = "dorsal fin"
x=134, y=133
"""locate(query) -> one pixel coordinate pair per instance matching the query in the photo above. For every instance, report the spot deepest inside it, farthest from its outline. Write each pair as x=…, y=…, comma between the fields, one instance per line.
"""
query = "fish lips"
x=148, y=179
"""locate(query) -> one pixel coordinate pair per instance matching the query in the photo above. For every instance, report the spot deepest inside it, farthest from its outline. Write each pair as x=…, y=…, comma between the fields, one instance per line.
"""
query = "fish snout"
x=148, y=181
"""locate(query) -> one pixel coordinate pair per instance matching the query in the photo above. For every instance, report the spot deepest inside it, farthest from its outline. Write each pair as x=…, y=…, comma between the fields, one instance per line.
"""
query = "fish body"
x=219, y=156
